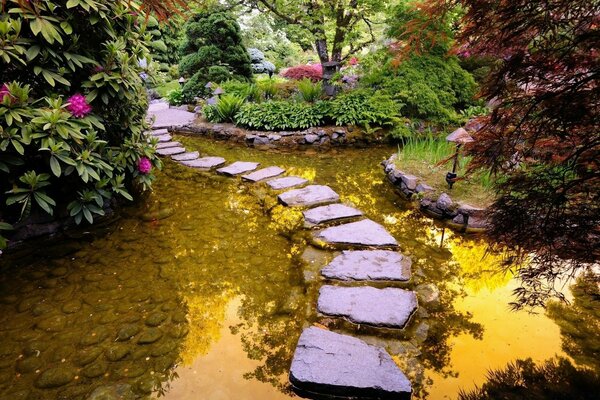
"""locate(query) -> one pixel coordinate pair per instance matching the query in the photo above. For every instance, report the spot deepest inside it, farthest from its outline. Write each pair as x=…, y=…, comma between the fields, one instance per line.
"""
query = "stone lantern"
x=329, y=70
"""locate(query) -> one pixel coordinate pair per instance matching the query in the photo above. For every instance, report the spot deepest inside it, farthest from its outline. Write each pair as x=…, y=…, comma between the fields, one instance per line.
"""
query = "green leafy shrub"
x=57, y=145
x=281, y=115
x=213, y=53
x=226, y=108
x=246, y=90
x=268, y=88
x=175, y=97
x=362, y=107
x=310, y=91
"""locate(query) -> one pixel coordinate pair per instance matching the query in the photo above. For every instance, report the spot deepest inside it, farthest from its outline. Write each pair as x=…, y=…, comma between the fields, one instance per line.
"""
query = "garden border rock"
x=459, y=216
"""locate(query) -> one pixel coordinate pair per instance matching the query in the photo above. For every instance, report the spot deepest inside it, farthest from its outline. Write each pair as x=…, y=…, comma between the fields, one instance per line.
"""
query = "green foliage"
x=175, y=97
x=363, y=107
x=430, y=87
x=310, y=91
x=226, y=108
x=268, y=87
x=213, y=53
x=281, y=115
x=49, y=150
x=246, y=90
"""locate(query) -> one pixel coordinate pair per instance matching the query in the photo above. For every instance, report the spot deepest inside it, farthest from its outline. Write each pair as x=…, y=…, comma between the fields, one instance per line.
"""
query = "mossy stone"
x=127, y=332
x=53, y=324
x=178, y=317
x=156, y=318
x=35, y=348
x=28, y=303
x=150, y=335
x=41, y=309
x=59, y=271
x=71, y=307
x=55, y=377
x=116, y=352
x=164, y=348
x=94, y=370
x=94, y=336
x=29, y=364
x=86, y=356
x=132, y=370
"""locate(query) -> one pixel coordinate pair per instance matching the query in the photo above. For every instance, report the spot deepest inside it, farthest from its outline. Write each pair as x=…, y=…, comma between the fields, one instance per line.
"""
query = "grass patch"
x=421, y=156
x=164, y=89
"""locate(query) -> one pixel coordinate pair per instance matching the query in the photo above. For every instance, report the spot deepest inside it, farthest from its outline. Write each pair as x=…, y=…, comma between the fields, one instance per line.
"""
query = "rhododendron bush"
x=72, y=107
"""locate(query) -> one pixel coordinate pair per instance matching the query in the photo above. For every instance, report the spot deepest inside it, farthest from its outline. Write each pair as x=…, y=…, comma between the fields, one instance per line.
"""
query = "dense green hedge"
x=72, y=106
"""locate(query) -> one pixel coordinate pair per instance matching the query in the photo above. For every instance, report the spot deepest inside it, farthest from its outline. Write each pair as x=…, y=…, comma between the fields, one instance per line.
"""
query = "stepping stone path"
x=328, y=363
x=188, y=156
x=389, y=307
x=262, y=174
x=169, y=151
x=330, y=213
x=238, y=168
x=287, y=182
x=368, y=265
x=309, y=196
x=365, y=233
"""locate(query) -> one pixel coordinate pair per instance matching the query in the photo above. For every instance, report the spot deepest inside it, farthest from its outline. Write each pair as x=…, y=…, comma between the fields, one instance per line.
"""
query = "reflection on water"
x=225, y=284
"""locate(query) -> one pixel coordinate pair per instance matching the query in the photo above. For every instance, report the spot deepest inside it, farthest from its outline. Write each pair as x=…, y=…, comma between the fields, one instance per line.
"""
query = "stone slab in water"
x=262, y=174
x=158, y=132
x=330, y=213
x=205, y=163
x=238, y=167
x=361, y=233
x=172, y=118
x=188, y=156
x=163, y=138
x=369, y=265
x=165, y=145
x=312, y=195
x=169, y=151
x=330, y=364
x=389, y=307
x=287, y=182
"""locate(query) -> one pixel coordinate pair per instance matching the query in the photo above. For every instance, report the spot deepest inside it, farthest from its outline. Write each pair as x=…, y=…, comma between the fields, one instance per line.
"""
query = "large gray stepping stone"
x=169, y=151
x=238, y=167
x=205, y=163
x=287, y=182
x=330, y=213
x=157, y=132
x=262, y=174
x=189, y=156
x=369, y=265
x=331, y=364
x=163, y=138
x=360, y=233
x=172, y=118
x=309, y=196
x=158, y=106
x=389, y=307
x=165, y=145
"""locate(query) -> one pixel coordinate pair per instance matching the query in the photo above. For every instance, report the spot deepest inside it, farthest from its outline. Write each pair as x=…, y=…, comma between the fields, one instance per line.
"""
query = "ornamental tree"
x=72, y=107
x=543, y=136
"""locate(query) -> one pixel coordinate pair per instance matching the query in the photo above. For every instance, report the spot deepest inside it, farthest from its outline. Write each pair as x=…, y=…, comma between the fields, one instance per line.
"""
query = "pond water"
x=197, y=292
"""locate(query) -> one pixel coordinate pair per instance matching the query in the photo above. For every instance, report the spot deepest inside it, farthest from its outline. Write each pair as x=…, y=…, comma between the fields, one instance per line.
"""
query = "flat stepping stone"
x=331, y=364
x=385, y=308
x=157, y=132
x=238, y=168
x=369, y=265
x=205, y=163
x=169, y=151
x=287, y=182
x=262, y=174
x=189, y=156
x=330, y=213
x=312, y=195
x=165, y=145
x=164, y=138
x=361, y=233
x=167, y=118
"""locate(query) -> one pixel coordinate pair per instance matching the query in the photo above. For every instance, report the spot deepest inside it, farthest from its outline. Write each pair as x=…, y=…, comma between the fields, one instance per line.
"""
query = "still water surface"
x=210, y=301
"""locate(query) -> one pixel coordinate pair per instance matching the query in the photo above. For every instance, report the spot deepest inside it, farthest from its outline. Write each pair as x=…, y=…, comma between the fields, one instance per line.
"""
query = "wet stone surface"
x=170, y=151
x=330, y=213
x=389, y=307
x=238, y=168
x=188, y=156
x=365, y=233
x=369, y=265
x=328, y=363
x=205, y=163
x=287, y=182
x=309, y=196
x=166, y=145
x=262, y=174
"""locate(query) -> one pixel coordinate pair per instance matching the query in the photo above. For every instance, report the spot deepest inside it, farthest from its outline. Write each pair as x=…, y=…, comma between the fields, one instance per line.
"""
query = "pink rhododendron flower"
x=4, y=91
x=353, y=61
x=78, y=106
x=144, y=165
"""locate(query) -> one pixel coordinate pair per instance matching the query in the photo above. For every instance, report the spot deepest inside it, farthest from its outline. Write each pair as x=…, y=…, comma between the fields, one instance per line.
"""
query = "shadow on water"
x=202, y=290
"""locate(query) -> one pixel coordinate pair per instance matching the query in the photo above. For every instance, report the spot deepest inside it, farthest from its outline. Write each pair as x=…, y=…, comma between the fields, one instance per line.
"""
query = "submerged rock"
x=262, y=174
x=309, y=196
x=327, y=363
x=238, y=168
x=55, y=377
x=330, y=213
x=372, y=265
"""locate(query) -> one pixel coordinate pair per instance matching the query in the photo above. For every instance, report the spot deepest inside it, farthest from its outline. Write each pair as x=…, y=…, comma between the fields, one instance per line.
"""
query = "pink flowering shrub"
x=4, y=92
x=144, y=166
x=313, y=72
x=78, y=106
